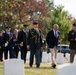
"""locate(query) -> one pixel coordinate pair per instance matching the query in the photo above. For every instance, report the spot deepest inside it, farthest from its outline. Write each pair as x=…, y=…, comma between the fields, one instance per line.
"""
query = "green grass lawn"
x=1, y=68
x=45, y=69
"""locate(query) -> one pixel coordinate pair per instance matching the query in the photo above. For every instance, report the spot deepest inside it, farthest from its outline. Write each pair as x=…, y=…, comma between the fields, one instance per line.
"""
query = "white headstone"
x=74, y=62
x=49, y=57
x=68, y=57
x=60, y=58
x=28, y=56
x=14, y=67
x=46, y=57
x=66, y=69
x=19, y=55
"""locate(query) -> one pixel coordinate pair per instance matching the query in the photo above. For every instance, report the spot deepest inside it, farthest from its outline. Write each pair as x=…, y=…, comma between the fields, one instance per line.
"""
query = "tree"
x=44, y=21
x=16, y=12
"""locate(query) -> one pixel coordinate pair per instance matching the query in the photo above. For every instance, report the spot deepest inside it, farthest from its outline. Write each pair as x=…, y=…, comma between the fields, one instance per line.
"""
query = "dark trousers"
x=6, y=49
x=14, y=52
x=1, y=54
x=23, y=53
x=6, y=53
x=37, y=56
x=16, y=49
x=72, y=55
x=41, y=56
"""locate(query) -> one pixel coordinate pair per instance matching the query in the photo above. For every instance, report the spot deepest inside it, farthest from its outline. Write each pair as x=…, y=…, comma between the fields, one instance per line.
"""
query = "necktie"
x=55, y=34
x=16, y=36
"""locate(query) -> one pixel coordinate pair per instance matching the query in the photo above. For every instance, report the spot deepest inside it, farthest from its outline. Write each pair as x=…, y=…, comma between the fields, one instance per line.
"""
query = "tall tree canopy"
x=14, y=12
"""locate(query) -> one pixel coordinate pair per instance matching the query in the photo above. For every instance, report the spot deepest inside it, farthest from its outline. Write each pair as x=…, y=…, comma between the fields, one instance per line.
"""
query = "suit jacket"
x=22, y=37
x=51, y=39
x=7, y=37
x=35, y=39
x=14, y=43
x=72, y=39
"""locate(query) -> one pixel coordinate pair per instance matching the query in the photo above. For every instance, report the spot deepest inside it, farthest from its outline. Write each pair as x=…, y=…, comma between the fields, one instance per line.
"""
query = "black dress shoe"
x=1, y=60
x=37, y=66
x=54, y=65
x=30, y=65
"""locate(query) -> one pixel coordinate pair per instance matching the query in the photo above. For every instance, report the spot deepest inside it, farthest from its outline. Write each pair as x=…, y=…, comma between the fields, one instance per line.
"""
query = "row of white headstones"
x=16, y=66
x=46, y=58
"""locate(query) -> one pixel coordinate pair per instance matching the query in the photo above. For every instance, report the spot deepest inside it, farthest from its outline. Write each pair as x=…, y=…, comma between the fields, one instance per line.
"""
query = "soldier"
x=7, y=37
x=35, y=44
x=22, y=40
x=72, y=40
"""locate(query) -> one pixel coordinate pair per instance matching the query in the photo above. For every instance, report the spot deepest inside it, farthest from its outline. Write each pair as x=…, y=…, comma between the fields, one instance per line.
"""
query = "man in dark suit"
x=14, y=44
x=35, y=44
x=22, y=40
x=7, y=36
x=52, y=42
x=72, y=40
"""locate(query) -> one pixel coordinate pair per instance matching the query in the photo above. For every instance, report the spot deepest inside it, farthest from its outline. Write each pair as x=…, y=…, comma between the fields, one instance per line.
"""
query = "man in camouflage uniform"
x=35, y=44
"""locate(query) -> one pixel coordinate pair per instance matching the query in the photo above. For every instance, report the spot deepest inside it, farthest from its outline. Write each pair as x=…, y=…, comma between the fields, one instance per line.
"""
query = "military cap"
x=25, y=25
x=35, y=22
x=6, y=27
x=74, y=24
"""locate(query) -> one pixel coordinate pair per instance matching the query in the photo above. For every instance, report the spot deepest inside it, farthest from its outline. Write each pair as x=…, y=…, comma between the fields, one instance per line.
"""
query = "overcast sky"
x=69, y=5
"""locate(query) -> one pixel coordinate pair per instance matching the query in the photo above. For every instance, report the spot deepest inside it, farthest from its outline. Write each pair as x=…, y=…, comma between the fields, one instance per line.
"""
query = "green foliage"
x=16, y=12
x=43, y=23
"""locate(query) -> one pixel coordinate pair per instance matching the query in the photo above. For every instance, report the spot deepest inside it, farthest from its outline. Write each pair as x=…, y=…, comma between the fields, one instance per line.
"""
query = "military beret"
x=74, y=24
x=35, y=22
x=25, y=25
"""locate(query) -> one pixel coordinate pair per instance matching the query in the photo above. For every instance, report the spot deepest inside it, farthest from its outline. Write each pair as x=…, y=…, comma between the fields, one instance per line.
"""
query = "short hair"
x=56, y=25
x=16, y=30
